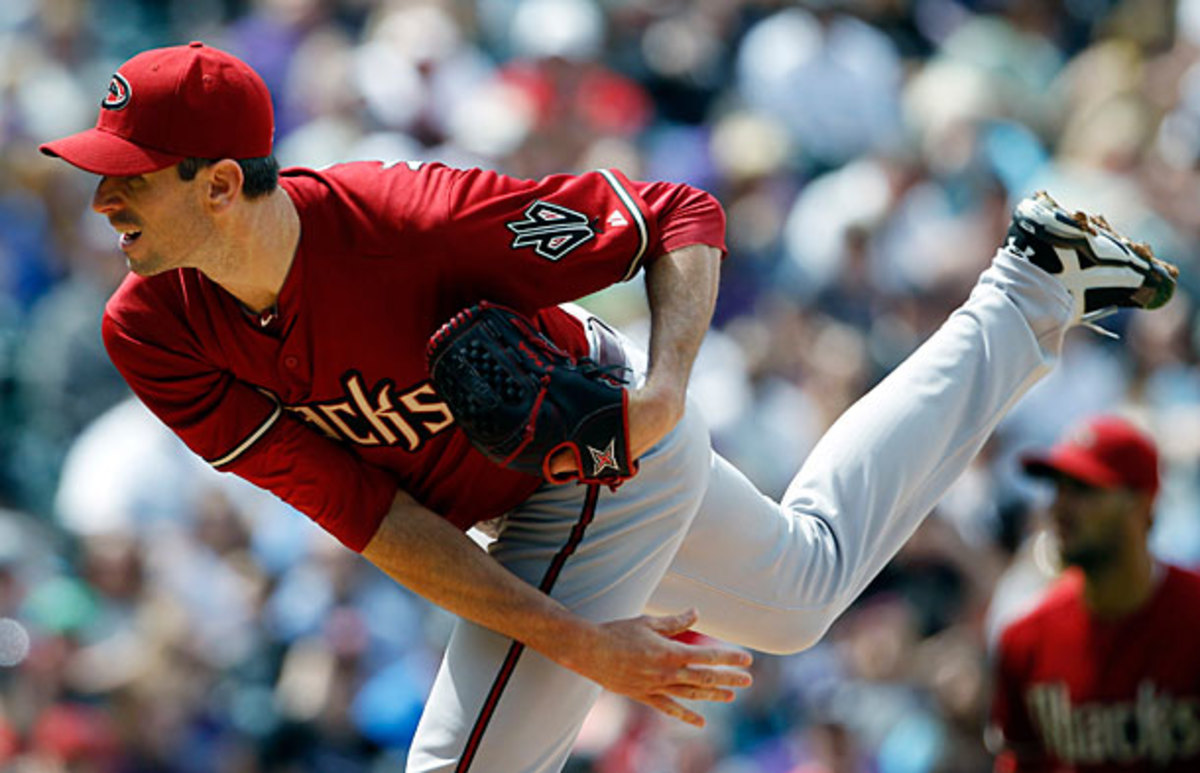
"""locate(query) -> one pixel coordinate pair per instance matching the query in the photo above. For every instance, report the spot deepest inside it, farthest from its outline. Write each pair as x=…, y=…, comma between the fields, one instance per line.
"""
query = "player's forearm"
x=634, y=657
x=682, y=290
x=431, y=557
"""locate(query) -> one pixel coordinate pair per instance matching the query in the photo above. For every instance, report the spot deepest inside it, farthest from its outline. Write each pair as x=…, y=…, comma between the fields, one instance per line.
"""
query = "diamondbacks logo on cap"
x=118, y=93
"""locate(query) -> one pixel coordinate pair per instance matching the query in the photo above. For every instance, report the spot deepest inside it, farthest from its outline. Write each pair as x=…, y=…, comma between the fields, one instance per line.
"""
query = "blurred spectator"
x=832, y=79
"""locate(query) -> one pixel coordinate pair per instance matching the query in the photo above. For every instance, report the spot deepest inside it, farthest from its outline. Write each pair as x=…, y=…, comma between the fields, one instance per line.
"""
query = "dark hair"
x=262, y=174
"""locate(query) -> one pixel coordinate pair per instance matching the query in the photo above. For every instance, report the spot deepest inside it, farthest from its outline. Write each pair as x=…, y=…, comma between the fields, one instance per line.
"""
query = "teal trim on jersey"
x=631, y=206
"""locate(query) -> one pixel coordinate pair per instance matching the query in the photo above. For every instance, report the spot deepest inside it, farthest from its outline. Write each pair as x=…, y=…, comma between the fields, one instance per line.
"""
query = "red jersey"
x=1075, y=694
x=326, y=401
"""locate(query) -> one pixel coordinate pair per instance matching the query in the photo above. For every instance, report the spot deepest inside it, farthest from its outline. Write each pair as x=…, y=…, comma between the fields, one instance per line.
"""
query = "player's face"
x=1091, y=523
x=159, y=219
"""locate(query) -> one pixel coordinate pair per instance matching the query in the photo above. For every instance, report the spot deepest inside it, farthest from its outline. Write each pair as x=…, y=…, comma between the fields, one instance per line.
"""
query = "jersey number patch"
x=551, y=230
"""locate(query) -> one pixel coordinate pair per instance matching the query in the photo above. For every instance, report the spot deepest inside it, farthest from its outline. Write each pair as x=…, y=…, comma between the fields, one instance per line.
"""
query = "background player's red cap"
x=168, y=104
x=1106, y=452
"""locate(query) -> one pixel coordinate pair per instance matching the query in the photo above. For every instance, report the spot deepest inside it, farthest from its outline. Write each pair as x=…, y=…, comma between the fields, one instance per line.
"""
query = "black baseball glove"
x=520, y=399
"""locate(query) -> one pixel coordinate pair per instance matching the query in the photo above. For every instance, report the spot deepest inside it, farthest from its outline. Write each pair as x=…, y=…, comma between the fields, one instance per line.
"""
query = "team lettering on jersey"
x=381, y=415
x=1156, y=728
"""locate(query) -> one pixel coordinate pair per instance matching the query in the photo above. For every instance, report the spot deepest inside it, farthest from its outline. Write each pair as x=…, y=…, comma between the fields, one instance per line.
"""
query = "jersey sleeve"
x=532, y=244
x=239, y=429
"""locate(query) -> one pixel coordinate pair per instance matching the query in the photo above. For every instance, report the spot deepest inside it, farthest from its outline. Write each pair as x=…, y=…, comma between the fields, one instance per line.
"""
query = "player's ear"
x=224, y=185
x=1145, y=509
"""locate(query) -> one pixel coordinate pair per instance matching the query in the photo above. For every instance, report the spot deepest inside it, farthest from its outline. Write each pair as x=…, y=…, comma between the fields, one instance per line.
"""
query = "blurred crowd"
x=157, y=617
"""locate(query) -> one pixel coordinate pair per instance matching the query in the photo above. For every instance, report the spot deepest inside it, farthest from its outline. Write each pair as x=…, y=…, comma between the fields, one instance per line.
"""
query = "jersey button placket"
x=293, y=371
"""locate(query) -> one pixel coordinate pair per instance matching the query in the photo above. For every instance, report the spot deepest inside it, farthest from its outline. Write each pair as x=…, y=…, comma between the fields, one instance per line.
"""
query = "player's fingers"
x=563, y=463
x=713, y=677
x=673, y=709
x=694, y=693
x=718, y=656
x=672, y=625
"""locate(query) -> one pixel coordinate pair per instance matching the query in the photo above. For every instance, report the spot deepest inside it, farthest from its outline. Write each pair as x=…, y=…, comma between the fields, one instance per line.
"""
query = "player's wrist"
x=653, y=412
x=567, y=640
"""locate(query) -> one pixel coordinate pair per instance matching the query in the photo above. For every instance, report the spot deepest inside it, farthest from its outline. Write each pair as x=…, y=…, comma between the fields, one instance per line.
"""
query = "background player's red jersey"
x=386, y=255
x=1078, y=694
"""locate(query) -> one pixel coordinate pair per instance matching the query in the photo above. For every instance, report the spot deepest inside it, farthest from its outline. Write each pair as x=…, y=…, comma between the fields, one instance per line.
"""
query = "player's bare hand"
x=637, y=658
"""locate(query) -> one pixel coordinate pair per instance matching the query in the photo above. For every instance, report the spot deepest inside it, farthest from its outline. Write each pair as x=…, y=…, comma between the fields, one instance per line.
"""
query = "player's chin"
x=1089, y=558
x=146, y=265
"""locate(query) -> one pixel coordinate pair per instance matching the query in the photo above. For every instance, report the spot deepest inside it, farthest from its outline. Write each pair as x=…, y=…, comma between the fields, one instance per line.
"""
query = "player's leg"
x=497, y=706
x=773, y=576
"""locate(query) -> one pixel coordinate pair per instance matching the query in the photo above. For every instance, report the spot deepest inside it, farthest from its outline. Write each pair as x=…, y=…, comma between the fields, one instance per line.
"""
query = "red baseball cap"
x=168, y=104
x=1105, y=452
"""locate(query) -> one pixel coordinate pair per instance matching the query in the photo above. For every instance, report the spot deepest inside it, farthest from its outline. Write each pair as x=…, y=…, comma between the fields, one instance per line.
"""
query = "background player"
x=1103, y=674
x=255, y=309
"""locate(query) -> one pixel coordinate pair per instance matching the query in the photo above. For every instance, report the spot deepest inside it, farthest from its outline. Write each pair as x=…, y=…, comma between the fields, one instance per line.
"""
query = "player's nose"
x=107, y=198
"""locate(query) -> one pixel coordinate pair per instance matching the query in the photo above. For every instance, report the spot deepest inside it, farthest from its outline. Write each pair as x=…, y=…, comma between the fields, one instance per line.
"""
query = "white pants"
x=691, y=531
